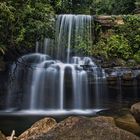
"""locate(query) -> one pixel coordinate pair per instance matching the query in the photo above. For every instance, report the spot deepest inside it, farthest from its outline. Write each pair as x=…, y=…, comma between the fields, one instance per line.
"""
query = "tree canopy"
x=21, y=23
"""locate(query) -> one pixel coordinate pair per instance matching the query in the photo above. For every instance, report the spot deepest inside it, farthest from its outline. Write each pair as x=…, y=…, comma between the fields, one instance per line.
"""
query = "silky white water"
x=62, y=82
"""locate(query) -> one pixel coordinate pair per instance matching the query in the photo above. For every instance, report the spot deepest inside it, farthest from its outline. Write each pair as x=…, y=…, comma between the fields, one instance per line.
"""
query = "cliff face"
x=109, y=21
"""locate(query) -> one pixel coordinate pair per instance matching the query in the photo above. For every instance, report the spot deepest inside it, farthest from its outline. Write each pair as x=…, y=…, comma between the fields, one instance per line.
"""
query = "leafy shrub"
x=83, y=46
x=123, y=41
x=131, y=31
x=118, y=47
x=114, y=46
x=22, y=23
x=137, y=57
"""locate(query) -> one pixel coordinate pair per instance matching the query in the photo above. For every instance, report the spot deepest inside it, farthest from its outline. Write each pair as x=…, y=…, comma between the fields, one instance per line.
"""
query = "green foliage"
x=123, y=41
x=113, y=47
x=113, y=7
x=99, y=49
x=131, y=31
x=71, y=6
x=137, y=57
x=118, y=47
x=94, y=6
x=84, y=46
x=101, y=6
x=22, y=23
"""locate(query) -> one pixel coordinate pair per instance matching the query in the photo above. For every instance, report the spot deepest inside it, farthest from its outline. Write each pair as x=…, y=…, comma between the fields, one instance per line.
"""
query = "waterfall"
x=70, y=29
x=46, y=46
x=62, y=84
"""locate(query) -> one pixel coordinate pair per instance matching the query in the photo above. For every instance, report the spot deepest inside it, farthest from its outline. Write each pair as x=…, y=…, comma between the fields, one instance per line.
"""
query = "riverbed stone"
x=41, y=126
x=135, y=110
x=82, y=128
x=2, y=136
x=128, y=122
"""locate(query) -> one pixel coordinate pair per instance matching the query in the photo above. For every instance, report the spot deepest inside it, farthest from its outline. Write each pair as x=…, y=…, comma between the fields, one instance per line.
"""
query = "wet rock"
x=131, y=62
x=2, y=136
x=128, y=76
x=103, y=119
x=81, y=128
x=128, y=79
x=120, y=62
x=42, y=126
x=128, y=122
x=135, y=110
x=105, y=65
x=108, y=64
x=112, y=79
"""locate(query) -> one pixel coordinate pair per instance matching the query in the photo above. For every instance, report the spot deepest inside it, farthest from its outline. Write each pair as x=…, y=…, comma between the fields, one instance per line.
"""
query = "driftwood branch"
x=12, y=135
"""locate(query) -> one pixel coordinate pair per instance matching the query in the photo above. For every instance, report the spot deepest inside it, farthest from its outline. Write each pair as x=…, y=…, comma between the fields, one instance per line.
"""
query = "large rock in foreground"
x=2, y=137
x=80, y=128
x=128, y=122
x=135, y=110
x=42, y=126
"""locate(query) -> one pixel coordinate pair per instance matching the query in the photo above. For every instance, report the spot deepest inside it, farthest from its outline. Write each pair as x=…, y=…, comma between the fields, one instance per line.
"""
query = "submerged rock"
x=42, y=126
x=81, y=128
x=2, y=136
x=135, y=110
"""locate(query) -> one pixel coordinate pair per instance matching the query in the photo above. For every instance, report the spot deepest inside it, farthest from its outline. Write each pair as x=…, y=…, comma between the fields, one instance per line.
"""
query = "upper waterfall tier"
x=70, y=31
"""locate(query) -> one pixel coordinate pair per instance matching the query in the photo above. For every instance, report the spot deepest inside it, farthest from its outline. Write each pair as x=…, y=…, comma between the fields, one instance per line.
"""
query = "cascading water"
x=70, y=30
x=46, y=46
x=48, y=84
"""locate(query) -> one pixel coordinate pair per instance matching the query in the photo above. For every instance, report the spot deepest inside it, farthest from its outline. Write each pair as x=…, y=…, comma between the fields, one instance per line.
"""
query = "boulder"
x=42, y=126
x=131, y=62
x=2, y=136
x=128, y=122
x=120, y=62
x=128, y=76
x=81, y=128
x=135, y=110
x=112, y=79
